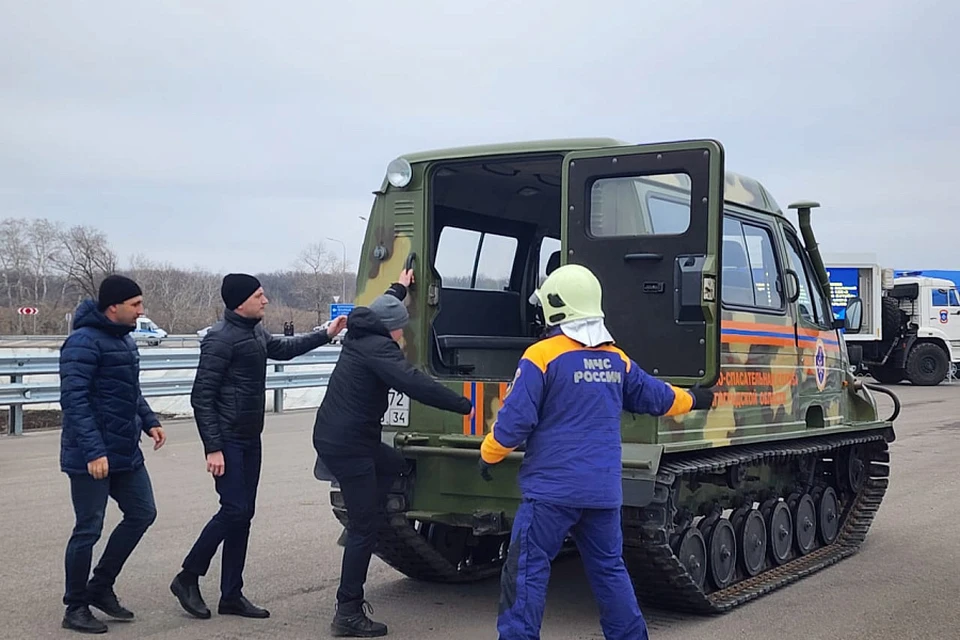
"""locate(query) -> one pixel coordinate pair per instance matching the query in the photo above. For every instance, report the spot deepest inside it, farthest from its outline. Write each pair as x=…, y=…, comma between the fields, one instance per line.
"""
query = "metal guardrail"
x=150, y=361
x=177, y=340
x=18, y=393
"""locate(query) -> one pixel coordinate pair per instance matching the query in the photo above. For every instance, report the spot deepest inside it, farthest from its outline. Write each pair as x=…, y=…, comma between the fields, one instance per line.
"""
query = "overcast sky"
x=202, y=125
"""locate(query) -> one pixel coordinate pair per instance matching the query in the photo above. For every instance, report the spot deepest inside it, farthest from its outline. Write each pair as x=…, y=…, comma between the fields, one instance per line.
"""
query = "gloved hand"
x=485, y=470
x=702, y=398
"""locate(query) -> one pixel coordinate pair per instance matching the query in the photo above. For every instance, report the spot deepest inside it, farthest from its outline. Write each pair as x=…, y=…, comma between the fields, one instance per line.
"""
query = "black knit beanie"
x=236, y=288
x=115, y=290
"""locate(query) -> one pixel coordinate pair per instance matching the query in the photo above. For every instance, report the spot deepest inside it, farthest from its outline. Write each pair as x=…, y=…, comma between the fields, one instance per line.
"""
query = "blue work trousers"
x=538, y=533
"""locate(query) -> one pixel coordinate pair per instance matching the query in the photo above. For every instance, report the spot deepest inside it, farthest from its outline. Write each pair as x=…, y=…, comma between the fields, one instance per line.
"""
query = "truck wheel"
x=927, y=365
x=886, y=375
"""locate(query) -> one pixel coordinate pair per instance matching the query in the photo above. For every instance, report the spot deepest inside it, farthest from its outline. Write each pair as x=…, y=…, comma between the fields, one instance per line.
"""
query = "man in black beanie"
x=104, y=415
x=228, y=403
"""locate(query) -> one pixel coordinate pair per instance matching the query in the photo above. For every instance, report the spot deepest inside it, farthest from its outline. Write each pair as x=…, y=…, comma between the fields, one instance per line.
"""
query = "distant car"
x=148, y=331
x=337, y=338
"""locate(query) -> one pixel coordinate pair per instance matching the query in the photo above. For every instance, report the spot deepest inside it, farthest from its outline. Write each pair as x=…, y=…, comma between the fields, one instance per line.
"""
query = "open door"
x=646, y=220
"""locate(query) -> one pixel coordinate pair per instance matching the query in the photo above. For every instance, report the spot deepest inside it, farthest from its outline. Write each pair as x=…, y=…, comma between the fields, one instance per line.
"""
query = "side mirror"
x=853, y=316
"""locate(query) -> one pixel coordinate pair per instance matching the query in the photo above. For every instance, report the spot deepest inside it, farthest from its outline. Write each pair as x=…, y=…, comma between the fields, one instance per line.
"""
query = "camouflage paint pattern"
x=777, y=380
x=773, y=382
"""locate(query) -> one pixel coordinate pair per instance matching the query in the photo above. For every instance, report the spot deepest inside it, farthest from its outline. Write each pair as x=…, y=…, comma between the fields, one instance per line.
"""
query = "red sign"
x=28, y=311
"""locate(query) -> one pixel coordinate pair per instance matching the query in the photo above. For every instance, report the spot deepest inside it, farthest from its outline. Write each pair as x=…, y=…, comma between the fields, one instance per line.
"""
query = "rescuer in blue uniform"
x=566, y=402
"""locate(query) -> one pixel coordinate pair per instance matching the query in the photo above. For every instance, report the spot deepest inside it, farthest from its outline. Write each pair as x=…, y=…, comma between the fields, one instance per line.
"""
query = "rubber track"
x=660, y=579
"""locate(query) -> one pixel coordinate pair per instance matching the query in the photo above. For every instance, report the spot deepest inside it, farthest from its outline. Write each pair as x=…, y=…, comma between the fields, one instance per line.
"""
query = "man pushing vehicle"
x=566, y=402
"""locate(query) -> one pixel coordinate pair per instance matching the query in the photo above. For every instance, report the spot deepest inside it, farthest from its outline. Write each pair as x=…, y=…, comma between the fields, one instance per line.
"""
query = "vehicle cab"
x=933, y=308
x=658, y=224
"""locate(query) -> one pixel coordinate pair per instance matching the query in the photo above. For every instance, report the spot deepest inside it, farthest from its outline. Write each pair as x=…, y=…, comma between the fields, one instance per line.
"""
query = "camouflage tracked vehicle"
x=705, y=281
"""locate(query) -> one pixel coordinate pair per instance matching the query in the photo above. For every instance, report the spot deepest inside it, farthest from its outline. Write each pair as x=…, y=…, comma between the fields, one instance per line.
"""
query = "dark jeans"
x=134, y=495
x=364, y=483
x=231, y=524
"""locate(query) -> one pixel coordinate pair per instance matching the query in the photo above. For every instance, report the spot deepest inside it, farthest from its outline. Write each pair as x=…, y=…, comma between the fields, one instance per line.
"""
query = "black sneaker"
x=80, y=619
x=352, y=622
x=110, y=605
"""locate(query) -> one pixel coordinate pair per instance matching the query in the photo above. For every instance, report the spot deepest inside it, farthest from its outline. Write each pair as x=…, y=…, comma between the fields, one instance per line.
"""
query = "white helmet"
x=570, y=293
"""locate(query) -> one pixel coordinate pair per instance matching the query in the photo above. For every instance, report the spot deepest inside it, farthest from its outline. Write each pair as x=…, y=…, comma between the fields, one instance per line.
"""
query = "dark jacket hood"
x=363, y=322
x=88, y=315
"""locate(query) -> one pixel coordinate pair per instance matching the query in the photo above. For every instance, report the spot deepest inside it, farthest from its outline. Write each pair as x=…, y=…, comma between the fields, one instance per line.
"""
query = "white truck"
x=911, y=323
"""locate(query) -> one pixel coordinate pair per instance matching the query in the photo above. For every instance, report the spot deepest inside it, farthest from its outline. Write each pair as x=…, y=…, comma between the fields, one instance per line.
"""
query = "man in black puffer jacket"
x=228, y=402
x=347, y=430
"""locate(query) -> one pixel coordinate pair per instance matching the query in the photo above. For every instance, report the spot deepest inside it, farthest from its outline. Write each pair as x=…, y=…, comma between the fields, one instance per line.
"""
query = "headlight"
x=399, y=173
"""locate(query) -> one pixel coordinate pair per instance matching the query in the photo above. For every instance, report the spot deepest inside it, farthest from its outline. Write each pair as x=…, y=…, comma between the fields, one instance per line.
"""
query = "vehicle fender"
x=640, y=465
x=933, y=333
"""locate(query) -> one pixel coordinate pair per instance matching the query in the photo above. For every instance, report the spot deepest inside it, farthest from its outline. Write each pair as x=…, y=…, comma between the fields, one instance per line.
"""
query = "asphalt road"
x=903, y=584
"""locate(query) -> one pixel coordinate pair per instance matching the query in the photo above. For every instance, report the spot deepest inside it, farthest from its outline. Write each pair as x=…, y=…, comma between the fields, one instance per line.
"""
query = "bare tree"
x=14, y=262
x=45, y=265
x=86, y=258
x=46, y=247
x=314, y=281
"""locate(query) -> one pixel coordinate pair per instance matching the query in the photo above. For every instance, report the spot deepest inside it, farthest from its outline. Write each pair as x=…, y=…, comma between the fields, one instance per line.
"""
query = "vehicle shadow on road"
x=570, y=602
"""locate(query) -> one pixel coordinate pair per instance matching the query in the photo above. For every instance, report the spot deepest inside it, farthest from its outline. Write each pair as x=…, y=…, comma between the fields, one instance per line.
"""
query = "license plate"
x=398, y=410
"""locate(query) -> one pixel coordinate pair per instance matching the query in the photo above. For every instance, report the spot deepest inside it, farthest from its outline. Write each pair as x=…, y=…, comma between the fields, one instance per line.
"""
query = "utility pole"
x=343, y=274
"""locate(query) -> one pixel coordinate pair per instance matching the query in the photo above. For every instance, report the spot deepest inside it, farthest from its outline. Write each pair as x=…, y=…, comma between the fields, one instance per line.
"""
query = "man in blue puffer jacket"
x=104, y=415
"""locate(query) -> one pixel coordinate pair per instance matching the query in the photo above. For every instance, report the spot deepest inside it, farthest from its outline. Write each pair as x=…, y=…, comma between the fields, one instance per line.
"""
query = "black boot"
x=188, y=593
x=351, y=621
x=110, y=605
x=80, y=619
x=242, y=607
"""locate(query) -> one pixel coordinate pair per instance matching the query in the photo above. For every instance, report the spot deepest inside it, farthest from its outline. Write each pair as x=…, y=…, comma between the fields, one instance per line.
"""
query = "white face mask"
x=591, y=332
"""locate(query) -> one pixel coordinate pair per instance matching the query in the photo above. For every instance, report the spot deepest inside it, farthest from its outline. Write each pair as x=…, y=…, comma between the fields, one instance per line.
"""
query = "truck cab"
x=931, y=308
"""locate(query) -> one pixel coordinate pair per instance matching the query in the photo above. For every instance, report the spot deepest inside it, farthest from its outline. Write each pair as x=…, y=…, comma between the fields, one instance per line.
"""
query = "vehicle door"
x=647, y=221
x=945, y=312
x=821, y=369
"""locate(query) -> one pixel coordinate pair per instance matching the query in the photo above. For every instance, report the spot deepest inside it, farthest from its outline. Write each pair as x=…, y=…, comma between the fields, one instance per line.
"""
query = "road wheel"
x=927, y=365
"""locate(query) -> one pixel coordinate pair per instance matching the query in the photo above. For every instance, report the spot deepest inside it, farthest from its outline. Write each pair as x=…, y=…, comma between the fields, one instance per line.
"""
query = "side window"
x=811, y=304
x=468, y=259
x=763, y=266
x=635, y=206
x=940, y=298
x=954, y=300
x=750, y=271
x=548, y=247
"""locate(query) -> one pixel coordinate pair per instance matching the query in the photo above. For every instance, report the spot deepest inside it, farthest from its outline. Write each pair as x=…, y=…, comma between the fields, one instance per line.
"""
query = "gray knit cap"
x=391, y=312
